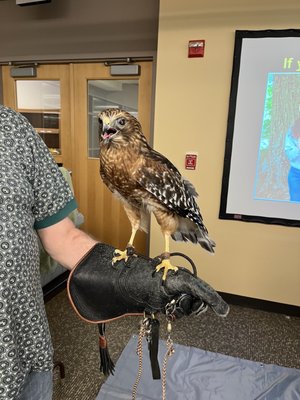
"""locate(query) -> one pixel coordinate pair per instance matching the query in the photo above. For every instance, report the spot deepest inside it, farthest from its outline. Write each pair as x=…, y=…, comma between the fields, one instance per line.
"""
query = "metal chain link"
x=170, y=351
x=139, y=351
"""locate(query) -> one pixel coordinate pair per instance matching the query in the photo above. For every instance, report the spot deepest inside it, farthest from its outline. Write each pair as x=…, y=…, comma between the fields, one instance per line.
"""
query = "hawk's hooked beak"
x=108, y=132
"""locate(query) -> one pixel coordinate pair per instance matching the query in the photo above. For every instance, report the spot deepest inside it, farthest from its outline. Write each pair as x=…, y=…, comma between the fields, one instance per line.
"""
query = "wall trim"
x=76, y=59
x=263, y=305
x=55, y=286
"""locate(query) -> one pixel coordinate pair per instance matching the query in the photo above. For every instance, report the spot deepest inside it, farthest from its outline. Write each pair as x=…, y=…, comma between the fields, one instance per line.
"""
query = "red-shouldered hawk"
x=146, y=181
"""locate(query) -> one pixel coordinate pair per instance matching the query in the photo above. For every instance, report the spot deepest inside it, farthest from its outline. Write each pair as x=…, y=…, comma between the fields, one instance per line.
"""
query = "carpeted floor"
x=245, y=333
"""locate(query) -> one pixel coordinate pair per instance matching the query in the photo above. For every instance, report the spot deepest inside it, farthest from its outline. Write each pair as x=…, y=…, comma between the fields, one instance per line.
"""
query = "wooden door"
x=105, y=218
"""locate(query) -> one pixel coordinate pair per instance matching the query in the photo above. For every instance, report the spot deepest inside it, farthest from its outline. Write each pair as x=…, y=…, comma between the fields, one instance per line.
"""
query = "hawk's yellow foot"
x=166, y=264
x=120, y=255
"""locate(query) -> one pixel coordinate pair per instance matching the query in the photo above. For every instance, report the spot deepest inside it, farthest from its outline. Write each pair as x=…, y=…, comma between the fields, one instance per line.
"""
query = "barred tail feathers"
x=189, y=231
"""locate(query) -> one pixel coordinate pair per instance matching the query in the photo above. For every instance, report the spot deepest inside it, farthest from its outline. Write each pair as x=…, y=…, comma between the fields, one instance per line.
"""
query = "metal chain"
x=170, y=351
x=139, y=351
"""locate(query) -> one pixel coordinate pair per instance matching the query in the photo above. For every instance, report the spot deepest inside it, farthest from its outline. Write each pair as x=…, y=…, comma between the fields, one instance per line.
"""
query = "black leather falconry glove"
x=100, y=292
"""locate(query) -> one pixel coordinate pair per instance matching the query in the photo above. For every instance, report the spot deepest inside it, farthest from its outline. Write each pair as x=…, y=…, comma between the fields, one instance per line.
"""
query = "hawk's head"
x=117, y=126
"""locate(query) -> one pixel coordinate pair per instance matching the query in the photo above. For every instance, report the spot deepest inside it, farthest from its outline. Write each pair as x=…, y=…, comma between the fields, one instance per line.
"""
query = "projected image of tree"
x=282, y=108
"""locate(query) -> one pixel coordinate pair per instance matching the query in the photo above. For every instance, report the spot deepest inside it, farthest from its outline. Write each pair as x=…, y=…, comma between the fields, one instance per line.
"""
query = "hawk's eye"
x=122, y=121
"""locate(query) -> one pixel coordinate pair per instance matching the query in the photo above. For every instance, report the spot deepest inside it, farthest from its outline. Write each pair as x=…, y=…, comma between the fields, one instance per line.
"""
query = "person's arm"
x=65, y=243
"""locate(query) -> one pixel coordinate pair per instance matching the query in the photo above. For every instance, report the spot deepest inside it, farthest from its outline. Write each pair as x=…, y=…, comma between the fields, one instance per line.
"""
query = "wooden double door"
x=62, y=102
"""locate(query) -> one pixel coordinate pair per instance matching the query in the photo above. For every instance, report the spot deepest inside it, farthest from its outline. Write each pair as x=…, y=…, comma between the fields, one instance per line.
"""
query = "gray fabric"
x=195, y=374
x=37, y=386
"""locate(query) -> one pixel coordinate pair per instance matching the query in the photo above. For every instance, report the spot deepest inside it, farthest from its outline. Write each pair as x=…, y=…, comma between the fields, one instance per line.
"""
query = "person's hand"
x=100, y=292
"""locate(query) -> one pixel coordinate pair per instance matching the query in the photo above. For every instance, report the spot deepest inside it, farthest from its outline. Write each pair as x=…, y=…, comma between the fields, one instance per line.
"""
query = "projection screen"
x=261, y=175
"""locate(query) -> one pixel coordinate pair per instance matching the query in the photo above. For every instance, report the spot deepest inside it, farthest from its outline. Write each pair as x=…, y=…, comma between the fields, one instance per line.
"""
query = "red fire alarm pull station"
x=196, y=48
x=191, y=161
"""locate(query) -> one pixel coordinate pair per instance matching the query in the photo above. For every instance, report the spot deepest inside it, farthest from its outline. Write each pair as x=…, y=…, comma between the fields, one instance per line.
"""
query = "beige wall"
x=191, y=106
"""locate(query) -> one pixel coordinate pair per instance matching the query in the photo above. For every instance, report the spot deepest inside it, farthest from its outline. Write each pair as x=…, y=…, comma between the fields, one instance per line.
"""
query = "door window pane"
x=39, y=101
x=104, y=94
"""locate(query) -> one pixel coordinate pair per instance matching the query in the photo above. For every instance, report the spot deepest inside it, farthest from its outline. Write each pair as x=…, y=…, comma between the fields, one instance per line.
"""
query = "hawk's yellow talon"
x=166, y=264
x=120, y=255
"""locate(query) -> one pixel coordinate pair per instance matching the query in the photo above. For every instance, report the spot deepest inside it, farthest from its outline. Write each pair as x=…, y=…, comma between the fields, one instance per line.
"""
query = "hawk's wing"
x=162, y=179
